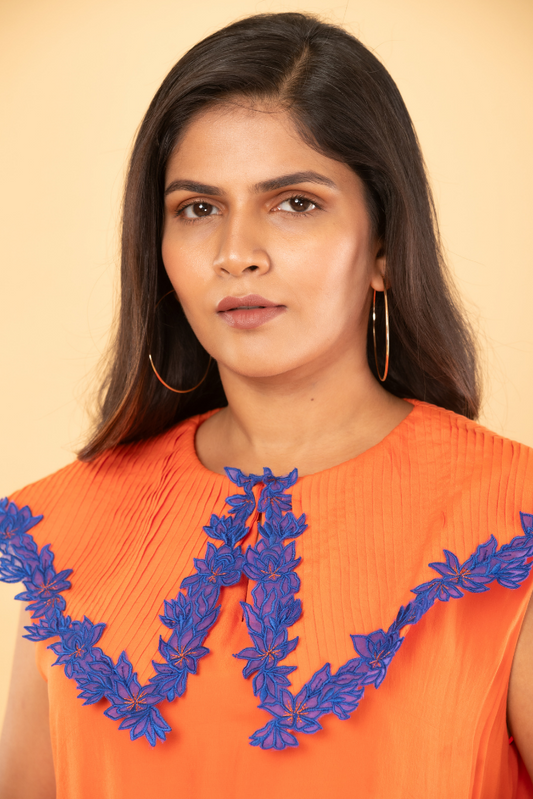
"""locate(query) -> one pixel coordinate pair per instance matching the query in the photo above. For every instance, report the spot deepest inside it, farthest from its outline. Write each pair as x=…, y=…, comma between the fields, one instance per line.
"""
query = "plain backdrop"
x=76, y=78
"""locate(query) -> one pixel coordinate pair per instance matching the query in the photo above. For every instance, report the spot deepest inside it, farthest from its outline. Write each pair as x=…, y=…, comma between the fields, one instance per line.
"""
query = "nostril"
x=253, y=267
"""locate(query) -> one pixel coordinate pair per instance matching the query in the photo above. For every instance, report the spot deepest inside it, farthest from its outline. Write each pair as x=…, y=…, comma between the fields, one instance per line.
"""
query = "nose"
x=241, y=249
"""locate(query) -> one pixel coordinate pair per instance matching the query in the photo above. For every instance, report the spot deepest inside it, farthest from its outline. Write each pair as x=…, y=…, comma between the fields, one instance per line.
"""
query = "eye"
x=197, y=210
x=297, y=204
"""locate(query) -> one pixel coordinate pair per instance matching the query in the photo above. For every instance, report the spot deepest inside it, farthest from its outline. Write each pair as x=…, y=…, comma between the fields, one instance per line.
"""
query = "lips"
x=246, y=313
x=250, y=301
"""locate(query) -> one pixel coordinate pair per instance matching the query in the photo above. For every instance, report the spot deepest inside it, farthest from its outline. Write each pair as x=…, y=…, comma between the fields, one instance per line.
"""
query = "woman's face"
x=268, y=245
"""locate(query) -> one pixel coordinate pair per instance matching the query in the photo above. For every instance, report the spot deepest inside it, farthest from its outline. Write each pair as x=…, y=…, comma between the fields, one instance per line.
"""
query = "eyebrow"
x=192, y=185
x=266, y=185
x=295, y=177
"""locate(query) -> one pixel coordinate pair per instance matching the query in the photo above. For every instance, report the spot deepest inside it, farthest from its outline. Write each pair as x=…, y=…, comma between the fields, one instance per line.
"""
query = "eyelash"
x=296, y=196
x=306, y=199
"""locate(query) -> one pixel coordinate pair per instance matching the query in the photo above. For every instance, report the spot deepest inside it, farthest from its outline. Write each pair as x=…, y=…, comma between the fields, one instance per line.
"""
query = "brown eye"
x=298, y=204
x=202, y=209
x=198, y=210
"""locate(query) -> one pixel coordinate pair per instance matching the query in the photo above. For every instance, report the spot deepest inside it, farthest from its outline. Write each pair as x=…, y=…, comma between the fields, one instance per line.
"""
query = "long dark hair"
x=346, y=105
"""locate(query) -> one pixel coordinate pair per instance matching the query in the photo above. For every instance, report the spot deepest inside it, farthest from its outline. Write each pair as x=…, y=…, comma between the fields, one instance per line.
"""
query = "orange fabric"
x=130, y=525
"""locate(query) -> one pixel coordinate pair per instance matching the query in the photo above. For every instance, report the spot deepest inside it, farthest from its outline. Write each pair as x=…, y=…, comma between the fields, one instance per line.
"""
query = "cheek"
x=333, y=271
x=182, y=269
x=169, y=253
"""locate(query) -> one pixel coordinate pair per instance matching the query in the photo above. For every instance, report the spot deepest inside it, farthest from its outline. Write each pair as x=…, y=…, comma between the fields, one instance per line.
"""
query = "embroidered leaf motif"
x=296, y=712
x=272, y=563
x=190, y=616
x=273, y=736
x=76, y=647
x=12, y=569
x=14, y=522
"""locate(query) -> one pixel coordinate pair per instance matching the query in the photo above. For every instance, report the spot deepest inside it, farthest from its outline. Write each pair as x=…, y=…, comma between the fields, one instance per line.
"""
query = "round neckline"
x=194, y=423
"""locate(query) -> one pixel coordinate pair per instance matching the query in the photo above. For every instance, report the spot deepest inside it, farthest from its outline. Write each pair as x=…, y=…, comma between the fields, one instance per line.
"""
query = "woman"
x=286, y=446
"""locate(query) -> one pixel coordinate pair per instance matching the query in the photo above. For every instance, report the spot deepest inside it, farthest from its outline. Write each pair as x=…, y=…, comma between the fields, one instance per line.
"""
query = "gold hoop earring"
x=176, y=390
x=386, y=370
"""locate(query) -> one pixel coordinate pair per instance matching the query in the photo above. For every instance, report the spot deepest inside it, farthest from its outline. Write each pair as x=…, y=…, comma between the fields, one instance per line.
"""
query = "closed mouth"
x=248, y=307
x=252, y=302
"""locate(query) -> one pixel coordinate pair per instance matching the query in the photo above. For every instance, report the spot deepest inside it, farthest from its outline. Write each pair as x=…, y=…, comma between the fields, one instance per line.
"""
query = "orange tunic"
x=129, y=526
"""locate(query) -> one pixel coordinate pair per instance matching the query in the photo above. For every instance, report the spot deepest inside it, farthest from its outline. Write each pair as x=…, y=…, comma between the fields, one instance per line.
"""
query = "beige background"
x=77, y=75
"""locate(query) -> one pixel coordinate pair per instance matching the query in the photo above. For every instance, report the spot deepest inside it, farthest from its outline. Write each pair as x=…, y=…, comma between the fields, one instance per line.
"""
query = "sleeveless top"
x=374, y=608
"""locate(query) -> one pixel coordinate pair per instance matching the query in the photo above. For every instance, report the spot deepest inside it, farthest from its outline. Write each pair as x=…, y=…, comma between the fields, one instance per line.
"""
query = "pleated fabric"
x=130, y=524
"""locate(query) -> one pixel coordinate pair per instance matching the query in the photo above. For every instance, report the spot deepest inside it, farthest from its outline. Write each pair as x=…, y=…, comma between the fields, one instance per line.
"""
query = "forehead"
x=247, y=142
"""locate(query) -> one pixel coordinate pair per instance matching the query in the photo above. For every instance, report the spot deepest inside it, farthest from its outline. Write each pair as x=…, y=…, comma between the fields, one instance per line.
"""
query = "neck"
x=312, y=420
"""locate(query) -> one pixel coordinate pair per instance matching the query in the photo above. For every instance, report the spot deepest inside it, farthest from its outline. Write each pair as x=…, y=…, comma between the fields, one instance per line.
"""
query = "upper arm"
x=26, y=768
x=520, y=698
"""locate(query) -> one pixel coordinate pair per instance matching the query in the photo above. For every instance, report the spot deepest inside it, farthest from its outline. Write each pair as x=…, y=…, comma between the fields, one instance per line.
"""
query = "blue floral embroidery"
x=272, y=564
x=190, y=616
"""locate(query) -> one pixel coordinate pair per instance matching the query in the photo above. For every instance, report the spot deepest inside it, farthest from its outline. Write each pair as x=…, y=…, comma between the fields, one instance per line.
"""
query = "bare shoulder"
x=520, y=698
x=26, y=729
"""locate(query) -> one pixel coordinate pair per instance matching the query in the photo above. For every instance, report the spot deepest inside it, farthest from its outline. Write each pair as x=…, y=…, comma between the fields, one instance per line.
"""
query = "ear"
x=379, y=270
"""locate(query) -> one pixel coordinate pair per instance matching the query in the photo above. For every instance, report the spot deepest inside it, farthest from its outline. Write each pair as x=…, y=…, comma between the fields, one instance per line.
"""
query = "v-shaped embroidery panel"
x=272, y=564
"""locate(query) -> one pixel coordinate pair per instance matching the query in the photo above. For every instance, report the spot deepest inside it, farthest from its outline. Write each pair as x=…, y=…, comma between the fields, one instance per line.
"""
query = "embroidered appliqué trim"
x=190, y=616
x=272, y=564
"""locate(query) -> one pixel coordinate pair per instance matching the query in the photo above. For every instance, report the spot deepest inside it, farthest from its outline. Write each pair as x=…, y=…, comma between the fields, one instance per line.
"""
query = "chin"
x=263, y=371
x=267, y=368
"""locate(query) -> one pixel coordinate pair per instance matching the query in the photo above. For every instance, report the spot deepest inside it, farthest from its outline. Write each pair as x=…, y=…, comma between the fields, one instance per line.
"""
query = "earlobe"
x=378, y=281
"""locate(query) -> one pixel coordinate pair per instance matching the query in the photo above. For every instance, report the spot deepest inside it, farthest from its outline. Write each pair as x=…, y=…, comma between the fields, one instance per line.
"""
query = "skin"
x=299, y=388
x=520, y=697
x=26, y=767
